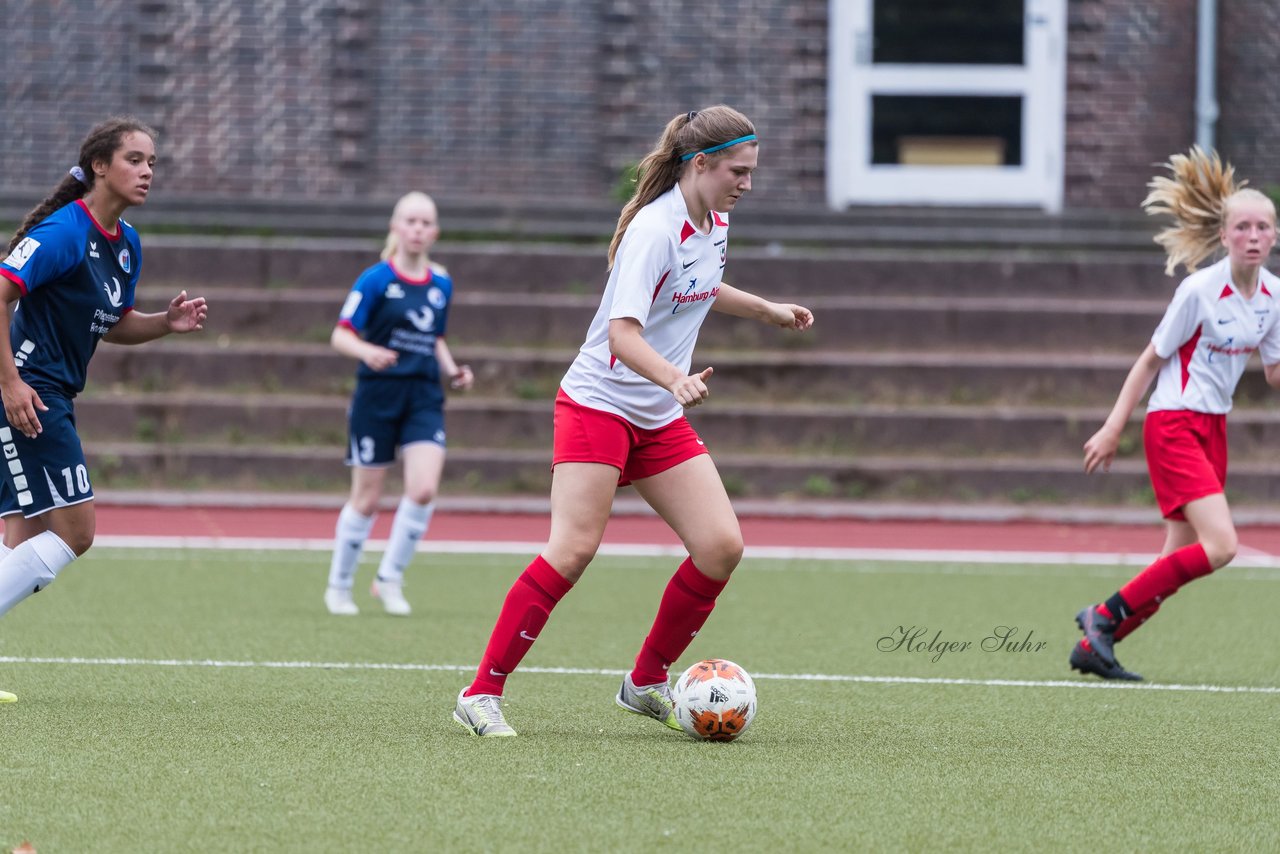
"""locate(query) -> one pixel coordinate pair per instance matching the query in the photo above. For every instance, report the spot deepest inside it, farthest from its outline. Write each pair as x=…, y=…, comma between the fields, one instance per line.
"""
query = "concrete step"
x=487, y=471
x=777, y=271
x=843, y=322
x=561, y=221
x=886, y=376
x=480, y=422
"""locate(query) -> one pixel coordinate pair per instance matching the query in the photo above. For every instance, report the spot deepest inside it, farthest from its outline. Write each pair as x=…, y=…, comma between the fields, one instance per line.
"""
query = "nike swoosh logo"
x=493, y=672
x=527, y=636
x=700, y=442
x=1228, y=320
x=690, y=263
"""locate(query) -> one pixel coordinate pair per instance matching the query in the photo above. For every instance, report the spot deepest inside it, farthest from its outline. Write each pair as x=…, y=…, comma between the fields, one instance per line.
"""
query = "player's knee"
x=420, y=495
x=571, y=559
x=364, y=502
x=79, y=541
x=1221, y=549
x=719, y=556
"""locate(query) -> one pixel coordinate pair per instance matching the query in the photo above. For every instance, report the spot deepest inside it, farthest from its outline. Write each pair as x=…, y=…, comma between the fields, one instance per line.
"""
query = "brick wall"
x=1130, y=95
x=356, y=98
x=1131, y=84
x=549, y=100
x=1248, y=95
x=766, y=58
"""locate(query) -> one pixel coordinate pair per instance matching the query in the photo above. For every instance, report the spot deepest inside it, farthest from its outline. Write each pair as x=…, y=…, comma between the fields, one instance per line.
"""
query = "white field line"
x=586, y=671
x=1248, y=558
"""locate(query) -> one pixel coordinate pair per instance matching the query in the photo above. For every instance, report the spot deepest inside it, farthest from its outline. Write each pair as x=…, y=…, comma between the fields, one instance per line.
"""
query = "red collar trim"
x=93, y=219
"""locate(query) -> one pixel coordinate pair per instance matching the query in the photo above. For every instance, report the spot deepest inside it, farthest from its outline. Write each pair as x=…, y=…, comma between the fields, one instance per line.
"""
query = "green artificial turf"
x=205, y=701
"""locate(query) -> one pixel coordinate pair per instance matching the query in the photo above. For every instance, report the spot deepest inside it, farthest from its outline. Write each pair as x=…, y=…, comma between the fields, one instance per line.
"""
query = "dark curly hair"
x=101, y=144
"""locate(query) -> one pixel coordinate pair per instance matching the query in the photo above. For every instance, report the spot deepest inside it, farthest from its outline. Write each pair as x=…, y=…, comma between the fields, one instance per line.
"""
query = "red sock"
x=1127, y=625
x=687, y=602
x=524, y=613
x=1163, y=578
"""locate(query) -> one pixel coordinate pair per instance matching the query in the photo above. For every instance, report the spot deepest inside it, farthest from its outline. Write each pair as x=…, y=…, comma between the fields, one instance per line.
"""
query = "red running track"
x=308, y=523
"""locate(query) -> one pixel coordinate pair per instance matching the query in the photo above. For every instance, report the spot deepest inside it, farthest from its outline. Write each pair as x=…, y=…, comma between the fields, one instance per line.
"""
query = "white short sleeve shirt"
x=666, y=275
x=1207, y=335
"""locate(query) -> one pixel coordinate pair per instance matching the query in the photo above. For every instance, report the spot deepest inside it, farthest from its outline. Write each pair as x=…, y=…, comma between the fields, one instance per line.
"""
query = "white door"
x=946, y=102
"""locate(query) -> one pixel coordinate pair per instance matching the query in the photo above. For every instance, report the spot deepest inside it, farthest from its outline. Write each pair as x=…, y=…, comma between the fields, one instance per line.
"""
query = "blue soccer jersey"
x=391, y=310
x=77, y=281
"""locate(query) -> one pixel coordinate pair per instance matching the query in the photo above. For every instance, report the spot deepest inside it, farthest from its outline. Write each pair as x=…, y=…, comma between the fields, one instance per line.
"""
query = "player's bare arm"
x=183, y=315
x=348, y=343
x=1101, y=448
x=20, y=400
x=1273, y=374
x=460, y=376
x=739, y=303
x=628, y=344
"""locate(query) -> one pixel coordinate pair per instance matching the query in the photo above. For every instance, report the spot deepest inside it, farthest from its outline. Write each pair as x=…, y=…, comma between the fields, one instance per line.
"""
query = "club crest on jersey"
x=125, y=260
x=113, y=296
x=394, y=291
x=423, y=318
x=435, y=296
x=723, y=246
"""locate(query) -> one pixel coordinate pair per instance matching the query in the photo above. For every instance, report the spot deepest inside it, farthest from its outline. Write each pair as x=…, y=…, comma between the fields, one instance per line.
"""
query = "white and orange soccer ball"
x=715, y=700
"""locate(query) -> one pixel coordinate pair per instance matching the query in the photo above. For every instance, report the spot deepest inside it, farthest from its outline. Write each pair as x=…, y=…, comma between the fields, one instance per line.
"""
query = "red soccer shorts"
x=1186, y=456
x=586, y=435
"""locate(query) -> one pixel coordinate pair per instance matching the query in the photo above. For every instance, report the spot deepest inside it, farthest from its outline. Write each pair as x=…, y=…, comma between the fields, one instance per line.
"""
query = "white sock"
x=349, y=536
x=410, y=524
x=31, y=567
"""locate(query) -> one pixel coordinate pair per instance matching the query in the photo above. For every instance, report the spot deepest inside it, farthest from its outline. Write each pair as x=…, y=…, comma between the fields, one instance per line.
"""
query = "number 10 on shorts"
x=77, y=483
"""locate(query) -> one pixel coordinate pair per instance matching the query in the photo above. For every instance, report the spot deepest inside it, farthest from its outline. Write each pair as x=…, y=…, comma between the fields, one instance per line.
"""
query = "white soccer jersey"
x=1206, y=336
x=666, y=275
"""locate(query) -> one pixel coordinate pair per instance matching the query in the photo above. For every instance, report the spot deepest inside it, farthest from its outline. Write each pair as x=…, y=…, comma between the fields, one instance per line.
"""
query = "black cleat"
x=1100, y=632
x=1088, y=661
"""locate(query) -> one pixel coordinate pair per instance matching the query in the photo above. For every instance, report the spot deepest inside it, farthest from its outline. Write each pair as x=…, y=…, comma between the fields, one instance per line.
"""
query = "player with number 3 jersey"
x=394, y=322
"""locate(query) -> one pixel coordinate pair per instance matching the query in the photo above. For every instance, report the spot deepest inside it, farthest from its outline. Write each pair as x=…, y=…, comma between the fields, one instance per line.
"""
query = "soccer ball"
x=715, y=699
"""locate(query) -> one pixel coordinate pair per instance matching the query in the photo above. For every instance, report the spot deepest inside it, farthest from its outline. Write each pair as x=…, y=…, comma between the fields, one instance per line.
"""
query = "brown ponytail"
x=661, y=168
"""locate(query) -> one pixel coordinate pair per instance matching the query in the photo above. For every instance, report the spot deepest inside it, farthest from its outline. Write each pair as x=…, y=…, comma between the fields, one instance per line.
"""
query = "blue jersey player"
x=394, y=323
x=71, y=269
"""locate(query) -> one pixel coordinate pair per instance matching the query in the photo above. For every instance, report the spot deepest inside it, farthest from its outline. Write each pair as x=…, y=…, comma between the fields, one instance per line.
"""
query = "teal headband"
x=692, y=154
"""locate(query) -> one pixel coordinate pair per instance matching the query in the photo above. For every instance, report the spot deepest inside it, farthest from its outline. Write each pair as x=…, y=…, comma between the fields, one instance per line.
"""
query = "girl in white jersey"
x=1217, y=318
x=619, y=416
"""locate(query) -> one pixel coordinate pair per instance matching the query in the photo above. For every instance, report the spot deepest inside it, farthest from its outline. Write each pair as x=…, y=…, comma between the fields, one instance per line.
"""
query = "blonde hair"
x=1199, y=196
x=412, y=197
x=687, y=133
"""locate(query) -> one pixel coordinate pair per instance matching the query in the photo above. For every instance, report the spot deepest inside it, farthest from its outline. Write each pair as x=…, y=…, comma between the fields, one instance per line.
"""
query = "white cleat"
x=652, y=701
x=6, y=697
x=339, y=602
x=392, y=595
x=482, y=715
